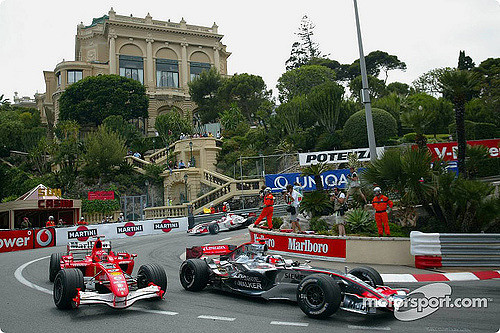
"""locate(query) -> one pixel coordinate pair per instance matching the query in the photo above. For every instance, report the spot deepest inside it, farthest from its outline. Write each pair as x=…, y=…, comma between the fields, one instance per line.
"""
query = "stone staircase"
x=223, y=188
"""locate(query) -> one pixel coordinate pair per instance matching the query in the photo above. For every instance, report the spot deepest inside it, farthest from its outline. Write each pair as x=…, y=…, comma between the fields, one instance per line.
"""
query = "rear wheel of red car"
x=368, y=275
x=194, y=274
x=66, y=285
x=318, y=296
x=213, y=228
x=152, y=273
x=54, y=265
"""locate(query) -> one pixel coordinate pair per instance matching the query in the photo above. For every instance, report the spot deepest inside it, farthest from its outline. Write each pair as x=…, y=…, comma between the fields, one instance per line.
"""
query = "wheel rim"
x=314, y=296
x=57, y=289
x=188, y=275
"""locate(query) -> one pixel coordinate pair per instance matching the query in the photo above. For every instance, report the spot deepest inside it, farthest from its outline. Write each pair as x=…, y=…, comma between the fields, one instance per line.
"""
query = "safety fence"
x=279, y=211
x=433, y=250
x=17, y=240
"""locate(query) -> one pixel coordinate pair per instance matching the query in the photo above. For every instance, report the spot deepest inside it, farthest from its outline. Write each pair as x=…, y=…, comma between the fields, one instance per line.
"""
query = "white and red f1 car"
x=229, y=222
x=90, y=273
x=248, y=270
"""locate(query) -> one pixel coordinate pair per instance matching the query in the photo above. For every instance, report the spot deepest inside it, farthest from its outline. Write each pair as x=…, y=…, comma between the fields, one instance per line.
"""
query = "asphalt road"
x=31, y=308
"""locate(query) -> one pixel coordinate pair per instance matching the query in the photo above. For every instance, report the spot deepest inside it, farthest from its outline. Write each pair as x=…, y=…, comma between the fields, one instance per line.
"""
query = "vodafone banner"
x=330, y=249
x=448, y=150
x=16, y=240
x=120, y=230
x=44, y=237
x=336, y=156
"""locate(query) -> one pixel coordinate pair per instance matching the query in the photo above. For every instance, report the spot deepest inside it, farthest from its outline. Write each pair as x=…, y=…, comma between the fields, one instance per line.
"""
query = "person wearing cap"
x=268, y=209
x=81, y=221
x=380, y=203
x=121, y=218
x=50, y=222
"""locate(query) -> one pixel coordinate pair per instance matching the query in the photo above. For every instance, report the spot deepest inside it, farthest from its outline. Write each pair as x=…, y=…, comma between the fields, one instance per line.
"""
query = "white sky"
x=35, y=35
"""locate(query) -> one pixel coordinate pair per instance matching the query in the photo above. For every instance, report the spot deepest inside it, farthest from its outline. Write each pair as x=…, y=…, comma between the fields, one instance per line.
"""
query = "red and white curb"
x=436, y=277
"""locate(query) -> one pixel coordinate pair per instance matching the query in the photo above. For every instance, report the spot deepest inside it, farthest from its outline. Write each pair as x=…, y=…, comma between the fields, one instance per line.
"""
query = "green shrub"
x=410, y=137
x=359, y=221
x=354, y=131
x=317, y=225
x=317, y=203
x=277, y=222
x=100, y=206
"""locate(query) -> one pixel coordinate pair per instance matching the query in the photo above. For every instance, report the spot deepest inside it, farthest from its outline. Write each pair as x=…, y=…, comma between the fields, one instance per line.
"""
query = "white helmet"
x=51, y=218
x=267, y=190
x=225, y=203
x=377, y=190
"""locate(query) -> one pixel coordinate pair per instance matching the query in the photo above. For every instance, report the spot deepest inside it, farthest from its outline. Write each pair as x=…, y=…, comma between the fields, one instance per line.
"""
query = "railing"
x=217, y=179
x=211, y=196
x=137, y=162
x=454, y=250
x=99, y=217
x=165, y=211
x=249, y=184
x=159, y=154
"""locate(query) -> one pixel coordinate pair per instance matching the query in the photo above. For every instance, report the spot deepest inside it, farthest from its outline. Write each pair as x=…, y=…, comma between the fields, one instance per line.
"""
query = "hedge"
x=384, y=123
x=476, y=131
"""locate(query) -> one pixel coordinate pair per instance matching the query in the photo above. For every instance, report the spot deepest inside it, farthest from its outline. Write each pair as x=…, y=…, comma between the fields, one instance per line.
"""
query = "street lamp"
x=365, y=94
x=186, y=187
x=191, y=147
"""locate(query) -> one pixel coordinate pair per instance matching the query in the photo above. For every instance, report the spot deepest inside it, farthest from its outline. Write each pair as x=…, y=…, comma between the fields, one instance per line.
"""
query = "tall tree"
x=377, y=61
x=465, y=63
x=376, y=87
x=300, y=81
x=429, y=81
x=203, y=92
x=93, y=99
x=305, y=49
x=459, y=86
x=326, y=102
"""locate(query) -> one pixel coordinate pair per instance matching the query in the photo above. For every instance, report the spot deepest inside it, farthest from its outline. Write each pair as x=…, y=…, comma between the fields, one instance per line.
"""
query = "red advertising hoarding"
x=16, y=240
x=44, y=237
x=334, y=249
x=101, y=195
x=448, y=150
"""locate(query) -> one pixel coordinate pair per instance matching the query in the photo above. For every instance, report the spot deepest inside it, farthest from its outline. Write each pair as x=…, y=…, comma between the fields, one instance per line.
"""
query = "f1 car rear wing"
x=208, y=250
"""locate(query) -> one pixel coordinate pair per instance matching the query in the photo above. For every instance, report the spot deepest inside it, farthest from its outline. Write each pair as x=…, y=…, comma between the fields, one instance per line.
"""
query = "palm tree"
x=418, y=119
x=316, y=170
x=459, y=86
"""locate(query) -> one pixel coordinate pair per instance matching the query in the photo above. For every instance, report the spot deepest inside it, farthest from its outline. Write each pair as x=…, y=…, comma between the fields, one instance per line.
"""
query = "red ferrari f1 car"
x=90, y=273
x=249, y=270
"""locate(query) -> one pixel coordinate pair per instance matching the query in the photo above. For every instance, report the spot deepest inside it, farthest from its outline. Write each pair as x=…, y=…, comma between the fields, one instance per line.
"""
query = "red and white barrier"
x=304, y=245
x=18, y=240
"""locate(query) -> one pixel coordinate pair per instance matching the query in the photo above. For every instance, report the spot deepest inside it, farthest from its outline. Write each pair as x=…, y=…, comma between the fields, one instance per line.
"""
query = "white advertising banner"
x=120, y=230
x=336, y=156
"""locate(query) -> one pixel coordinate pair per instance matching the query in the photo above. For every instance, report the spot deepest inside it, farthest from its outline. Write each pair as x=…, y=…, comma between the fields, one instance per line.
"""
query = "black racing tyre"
x=194, y=274
x=213, y=228
x=66, y=283
x=318, y=296
x=54, y=265
x=249, y=221
x=368, y=275
x=152, y=273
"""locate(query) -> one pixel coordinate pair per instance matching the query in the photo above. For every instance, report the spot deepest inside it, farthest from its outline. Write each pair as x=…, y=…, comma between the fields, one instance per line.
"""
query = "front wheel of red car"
x=318, y=296
x=66, y=285
x=194, y=274
x=152, y=273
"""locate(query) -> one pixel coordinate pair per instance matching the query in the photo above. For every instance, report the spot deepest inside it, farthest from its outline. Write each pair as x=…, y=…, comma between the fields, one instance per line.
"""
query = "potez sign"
x=336, y=156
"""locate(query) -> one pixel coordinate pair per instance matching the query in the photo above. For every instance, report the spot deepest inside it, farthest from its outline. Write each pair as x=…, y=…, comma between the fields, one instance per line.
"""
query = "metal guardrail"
x=455, y=250
x=279, y=211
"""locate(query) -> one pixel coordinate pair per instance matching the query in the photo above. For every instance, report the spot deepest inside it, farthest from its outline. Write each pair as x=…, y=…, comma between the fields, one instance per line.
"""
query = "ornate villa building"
x=163, y=55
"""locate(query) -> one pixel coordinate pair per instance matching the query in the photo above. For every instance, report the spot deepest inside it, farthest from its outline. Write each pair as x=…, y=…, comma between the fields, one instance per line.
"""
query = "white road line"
x=398, y=278
x=19, y=276
x=285, y=323
x=368, y=328
x=216, y=318
x=224, y=239
x=166, y=313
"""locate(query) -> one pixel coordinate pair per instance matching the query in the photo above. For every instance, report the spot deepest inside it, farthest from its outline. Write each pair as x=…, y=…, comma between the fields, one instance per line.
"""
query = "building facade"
x=163, y=55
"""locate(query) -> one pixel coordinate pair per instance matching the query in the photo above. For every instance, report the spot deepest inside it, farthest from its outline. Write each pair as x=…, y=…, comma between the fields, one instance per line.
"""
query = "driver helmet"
x=267, y=190
x=377, y=190
x=101, y=255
